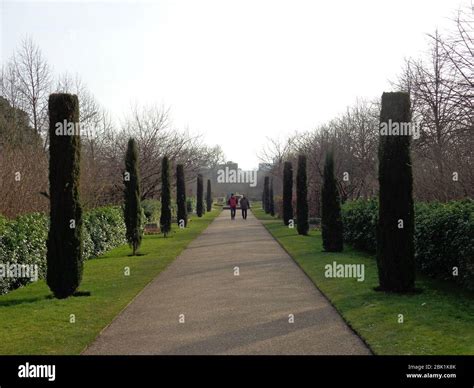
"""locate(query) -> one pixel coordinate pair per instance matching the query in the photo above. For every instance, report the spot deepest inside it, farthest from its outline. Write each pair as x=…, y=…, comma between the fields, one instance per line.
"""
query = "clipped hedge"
x=104, y=229
x=360, y=224
x=23, y=240
x=444, y=236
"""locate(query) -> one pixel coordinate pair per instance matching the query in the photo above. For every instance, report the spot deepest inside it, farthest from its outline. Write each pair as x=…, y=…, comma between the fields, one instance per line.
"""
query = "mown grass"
x=438, y=321
x=34, y=323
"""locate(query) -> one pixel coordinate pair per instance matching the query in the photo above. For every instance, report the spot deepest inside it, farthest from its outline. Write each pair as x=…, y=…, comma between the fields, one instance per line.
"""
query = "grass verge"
x=439, y=321
x=34, y=323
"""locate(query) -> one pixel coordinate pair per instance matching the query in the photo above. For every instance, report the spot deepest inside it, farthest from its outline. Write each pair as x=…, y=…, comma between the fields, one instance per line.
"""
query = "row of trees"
x=26, y=80
x=440, y=87
x=395, y=231
x=331, y=221
x=64, y=245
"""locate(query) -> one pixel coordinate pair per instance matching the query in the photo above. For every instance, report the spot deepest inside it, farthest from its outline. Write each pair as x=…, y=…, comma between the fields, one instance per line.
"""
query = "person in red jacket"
x=233, y=206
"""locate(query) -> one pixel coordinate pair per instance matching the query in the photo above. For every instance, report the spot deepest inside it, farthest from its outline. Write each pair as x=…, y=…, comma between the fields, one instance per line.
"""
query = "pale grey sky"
x=235, y=71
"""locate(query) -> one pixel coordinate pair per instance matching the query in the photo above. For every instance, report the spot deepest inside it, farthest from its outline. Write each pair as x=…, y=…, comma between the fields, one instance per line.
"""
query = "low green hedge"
x=104, y=229
x=152, y=210
x=23, y=240
x=360, y=224
x=444, y=236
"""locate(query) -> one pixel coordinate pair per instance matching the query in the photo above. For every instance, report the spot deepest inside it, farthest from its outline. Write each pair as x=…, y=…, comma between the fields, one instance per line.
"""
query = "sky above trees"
x=236, y=72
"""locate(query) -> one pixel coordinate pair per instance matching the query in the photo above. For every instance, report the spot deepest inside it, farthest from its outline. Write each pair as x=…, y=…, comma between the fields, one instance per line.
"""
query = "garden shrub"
x=444, y=236
x=190, y=205
x=360, y=224
x=104, y=229
x=23, y=240
x=152, y=210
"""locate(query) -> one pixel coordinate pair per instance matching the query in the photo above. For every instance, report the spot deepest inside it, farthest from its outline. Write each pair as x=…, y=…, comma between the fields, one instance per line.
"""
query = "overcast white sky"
x=235, y=71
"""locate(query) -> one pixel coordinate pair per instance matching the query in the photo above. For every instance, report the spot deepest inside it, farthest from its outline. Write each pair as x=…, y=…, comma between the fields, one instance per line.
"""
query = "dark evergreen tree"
x=266, y=194
x=287, y=193
x=395, y=242
x=64, y=244
x=132, y=207
x=182, y=213
x=165, y=217
x=272, y=199
x=209, y=196
x=199, y=197
x=331, y=219
x=302, y=197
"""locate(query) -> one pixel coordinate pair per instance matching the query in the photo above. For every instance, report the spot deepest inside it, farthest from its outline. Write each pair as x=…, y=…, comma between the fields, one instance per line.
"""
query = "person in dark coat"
x=244, y=205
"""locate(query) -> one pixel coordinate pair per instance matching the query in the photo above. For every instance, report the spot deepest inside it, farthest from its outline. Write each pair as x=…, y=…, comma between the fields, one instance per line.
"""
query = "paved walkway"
x=228, y=314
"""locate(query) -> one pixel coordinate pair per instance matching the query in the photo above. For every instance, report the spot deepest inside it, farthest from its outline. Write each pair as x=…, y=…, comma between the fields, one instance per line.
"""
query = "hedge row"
x=444, y=236
x=23, y=240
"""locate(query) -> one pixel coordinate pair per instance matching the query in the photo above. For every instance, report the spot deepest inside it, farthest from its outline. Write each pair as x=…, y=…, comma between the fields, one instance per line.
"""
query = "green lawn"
x=438, y=321
x=33, y=323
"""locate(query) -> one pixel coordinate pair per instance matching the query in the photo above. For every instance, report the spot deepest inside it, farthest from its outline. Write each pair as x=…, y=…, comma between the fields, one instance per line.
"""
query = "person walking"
x=233, y=205
x=244, y=205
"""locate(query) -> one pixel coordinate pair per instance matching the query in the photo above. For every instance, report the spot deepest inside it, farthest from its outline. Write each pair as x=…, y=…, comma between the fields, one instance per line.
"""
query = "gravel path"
x=199, y=306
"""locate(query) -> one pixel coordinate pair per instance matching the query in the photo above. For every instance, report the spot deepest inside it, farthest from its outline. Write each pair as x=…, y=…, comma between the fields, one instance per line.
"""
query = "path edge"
x=81, y=353
x=317, y=287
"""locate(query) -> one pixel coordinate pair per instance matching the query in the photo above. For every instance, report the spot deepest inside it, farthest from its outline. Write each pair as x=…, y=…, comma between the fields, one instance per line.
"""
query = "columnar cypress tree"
x=132, y=207
x=64, y=245
x=165, y=217
x=199, y=197
x=272, y=199
x=287, y=193
x=395, y=243
x=209, y=196
x=182, y=213
x=302, y=197
x=331, y=219
x=266, y=191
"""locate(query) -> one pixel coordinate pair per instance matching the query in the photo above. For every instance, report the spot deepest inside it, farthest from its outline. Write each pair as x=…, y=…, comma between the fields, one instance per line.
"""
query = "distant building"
x=228, y=178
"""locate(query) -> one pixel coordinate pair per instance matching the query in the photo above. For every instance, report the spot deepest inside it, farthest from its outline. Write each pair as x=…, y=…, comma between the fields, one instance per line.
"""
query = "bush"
x=190, y=205
x=443, y=236
x=3, y=223
x=104, y=229
x=152, y=210
x=360, y=224
x=23, y=240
